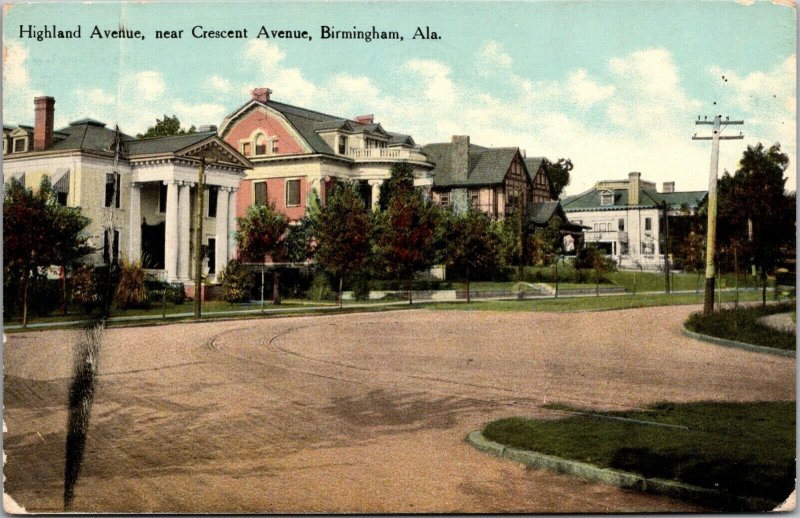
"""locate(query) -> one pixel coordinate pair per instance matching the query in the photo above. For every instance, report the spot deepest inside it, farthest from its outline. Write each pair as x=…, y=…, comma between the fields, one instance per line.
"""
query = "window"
x=212, y=201
x=603, y=227
x=621, y=224
x=113, y=193
x=19, y=145
x=61, y=197
x=292, y=193
x=342, y=145
x=444, y=199
x=275, y=146
x=474, y=198
x=5, y=146
x=246, y=149
x=261, y=145
x=162, y=198
x=212, y=255
x=260, y=191
x=110, y=251
x=607, y=198
x=648, y=224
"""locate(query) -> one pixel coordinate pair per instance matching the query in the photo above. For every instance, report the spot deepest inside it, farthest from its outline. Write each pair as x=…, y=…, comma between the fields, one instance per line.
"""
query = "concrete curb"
x=738, y=345
x=623, y=479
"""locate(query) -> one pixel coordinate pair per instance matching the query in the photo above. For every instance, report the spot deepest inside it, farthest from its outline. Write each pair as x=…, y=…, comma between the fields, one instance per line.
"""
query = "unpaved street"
x=350, y=413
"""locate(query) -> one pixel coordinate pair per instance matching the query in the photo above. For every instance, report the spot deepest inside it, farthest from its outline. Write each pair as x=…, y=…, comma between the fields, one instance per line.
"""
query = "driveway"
x=351, y=413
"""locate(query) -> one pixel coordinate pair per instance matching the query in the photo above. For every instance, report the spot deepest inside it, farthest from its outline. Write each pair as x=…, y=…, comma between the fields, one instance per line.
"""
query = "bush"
x=131, y=291
x=321, y=288
x=237, y=281
x=84, y=288
x=360, y=287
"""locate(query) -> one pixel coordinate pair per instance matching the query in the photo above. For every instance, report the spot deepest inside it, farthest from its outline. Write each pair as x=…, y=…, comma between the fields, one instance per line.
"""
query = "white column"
x=221, y=251
x=171, y=232
x=376, y=192
x=231, y=222
x=184, y=236
x=135, y=224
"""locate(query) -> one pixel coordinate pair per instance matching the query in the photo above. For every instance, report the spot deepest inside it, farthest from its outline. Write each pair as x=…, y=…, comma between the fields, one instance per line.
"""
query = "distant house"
x=295, y=151
x=138, y=193
x=626, y=217
x=497, y=181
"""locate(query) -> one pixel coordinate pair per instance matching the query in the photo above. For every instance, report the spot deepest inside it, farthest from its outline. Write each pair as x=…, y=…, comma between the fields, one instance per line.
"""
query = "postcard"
x=399, y=256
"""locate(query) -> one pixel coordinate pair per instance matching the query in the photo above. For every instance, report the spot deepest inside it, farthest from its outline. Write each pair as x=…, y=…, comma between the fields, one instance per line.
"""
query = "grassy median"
x=746, y=449
x=742, y=325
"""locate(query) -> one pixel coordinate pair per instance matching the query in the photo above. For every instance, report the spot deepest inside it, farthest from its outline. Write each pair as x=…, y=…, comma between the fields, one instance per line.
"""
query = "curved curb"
x=623, y=479
x=738, y=345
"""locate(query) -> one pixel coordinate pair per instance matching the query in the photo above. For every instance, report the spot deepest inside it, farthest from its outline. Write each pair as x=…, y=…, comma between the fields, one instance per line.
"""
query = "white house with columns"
x=137, y=193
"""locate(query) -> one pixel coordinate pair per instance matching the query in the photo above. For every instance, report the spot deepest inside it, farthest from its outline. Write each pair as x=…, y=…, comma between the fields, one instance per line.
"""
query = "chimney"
x=207, y=127
x=365, y=119
x=633, y=188
x=261, y=94
x=459, y=159
x=668, y=187
x=43, y=126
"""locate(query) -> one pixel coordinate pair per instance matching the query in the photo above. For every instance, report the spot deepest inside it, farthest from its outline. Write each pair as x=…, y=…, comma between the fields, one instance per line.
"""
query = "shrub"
x=131, y=291
x=360, y=287
x=84, y=288
x=320, y=288
x=237, y=281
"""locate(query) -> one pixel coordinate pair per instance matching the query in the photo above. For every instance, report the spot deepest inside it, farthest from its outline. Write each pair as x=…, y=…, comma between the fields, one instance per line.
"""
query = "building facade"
x=137, y=193
x=626, y=218
x=295, y=152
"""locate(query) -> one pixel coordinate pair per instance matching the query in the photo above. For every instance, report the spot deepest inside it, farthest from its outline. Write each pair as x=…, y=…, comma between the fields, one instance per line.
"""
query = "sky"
x=614, y=85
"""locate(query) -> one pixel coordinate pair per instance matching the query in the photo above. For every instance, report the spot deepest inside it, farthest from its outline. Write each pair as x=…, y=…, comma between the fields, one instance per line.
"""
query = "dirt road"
x=350, y=413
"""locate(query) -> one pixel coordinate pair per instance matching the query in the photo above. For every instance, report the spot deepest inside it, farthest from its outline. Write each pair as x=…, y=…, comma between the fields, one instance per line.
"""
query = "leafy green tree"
x=38, y=233
x=166, y=127
x=592, y=258
x=469, y=242
x=754, y=211
x=558, y=174
x=404, y=233
x=237, y=281
x=342, y=234
x=69, y=244
x=402, y=177
x=262, y=233
x=544, y=242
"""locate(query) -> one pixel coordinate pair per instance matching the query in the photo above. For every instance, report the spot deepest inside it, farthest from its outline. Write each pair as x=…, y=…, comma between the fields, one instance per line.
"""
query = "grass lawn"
x=740, y=325
x=654, y=281
x=602, y=303
x=747, y=449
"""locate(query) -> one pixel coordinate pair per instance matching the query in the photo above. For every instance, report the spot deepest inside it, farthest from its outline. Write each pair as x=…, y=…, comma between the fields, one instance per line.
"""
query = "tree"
x=558, y=174
x=404, y=232
x=237, y=281
x=591, y=257
x=166, y=127
x=37, y=233
x=342, y=234
x=469, y=242
x=262, y=233
x=544, y=242
x=68, y=244
x=402, y=177
x=755, y=213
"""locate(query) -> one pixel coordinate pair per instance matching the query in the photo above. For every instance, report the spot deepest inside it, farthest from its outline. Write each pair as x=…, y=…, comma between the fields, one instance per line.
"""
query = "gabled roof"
x=487, y=166
x=541, y=212
x=152, y=146
x=399, y=139
x=533, y=164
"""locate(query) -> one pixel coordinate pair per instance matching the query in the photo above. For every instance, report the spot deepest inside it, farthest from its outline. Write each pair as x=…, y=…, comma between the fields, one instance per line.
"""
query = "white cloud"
x=198, y=114
x=219, y=84
x=438, y=87
x=147, y=85
x=15, y=72
x=265, y=55
x=492, y=54
x=585, y=91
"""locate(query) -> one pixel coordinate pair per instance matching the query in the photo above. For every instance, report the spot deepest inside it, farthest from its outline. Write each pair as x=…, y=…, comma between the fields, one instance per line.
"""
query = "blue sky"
x=613, y=85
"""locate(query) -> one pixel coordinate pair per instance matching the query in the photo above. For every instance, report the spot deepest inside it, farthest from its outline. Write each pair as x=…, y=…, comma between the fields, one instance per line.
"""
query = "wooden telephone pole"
x=198, y=239
x=711, y=236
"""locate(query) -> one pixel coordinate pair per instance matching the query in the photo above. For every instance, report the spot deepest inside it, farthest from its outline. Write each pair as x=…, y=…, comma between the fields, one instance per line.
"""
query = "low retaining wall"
x=686, y=492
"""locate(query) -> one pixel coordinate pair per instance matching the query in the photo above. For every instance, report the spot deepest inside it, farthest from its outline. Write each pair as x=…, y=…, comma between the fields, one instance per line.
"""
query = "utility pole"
x=666, y=246
x=198, y=239
x=711, y=236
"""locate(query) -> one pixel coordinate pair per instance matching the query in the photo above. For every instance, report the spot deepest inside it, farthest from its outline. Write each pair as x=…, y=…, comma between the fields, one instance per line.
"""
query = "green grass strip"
x=742, y=325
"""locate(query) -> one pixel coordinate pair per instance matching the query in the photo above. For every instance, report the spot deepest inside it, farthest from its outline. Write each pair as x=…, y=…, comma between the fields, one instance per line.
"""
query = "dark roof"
x=590, y=200
x=541, y=212
x=152, y=146
x=487, y=166
x=399, y=139
x=533, y=163
x=88, y=135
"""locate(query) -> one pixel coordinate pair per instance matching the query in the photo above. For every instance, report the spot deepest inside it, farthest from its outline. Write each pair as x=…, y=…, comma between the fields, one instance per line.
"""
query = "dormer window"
x=20, y=144
x=342, y=145
x=607, y=198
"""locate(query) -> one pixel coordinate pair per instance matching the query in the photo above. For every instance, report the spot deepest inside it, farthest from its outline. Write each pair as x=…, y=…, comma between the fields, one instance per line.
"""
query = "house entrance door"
x=153, y=245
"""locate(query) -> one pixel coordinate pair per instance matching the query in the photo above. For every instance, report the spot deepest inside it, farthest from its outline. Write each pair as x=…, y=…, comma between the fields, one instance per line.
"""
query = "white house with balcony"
x=625, y=218
x=139, y=194
x=296, y=151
